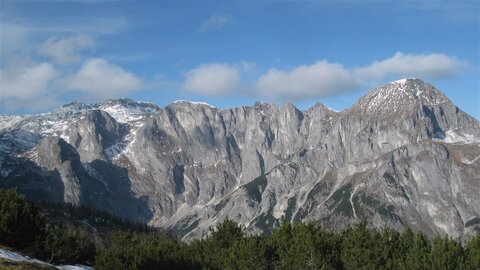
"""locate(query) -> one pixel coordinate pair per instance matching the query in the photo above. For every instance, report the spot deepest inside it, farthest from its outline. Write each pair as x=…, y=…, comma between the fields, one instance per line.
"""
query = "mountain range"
x=402, y=155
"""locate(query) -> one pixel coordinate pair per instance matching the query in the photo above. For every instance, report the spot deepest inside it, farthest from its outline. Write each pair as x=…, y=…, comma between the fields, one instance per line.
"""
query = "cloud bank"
x=304, y=82
x=214, y=79
x=320, y=79
x=38, y=86
x=432, y=66
x=27, y=82
x=99, y=79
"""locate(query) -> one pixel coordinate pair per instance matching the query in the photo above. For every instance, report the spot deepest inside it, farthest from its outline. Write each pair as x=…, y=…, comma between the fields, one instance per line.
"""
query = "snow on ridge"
x=400, y=96
x=331, y=109
x=9, y=121
x=404, y=80
x=194, y=103
x=126, y=110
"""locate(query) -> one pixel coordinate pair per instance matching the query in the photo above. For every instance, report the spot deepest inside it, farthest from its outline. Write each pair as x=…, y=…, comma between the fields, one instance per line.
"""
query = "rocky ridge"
x=402, y=155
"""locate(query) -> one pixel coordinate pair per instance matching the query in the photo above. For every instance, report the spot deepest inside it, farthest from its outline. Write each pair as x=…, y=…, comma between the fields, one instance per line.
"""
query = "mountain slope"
x=402, y=155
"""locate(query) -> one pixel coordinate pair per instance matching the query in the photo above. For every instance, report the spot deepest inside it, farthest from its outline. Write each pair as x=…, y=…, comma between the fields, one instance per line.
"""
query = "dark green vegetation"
x=289, y=246
x=23, y=227
x=59, y=234
x=255, y=188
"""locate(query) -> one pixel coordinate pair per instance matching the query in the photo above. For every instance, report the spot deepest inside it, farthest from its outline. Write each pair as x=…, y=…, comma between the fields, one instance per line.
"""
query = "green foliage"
x=304, y=246
x=360, y=248
x=21, y=223
x=69, y=246
x=289, y=246
x=256, y=187
x=446, y=254
x=472, y=253
x=225, y=234
x=22, y=226
x=249, y=253
x=129, y=250
x=214, y=249
x=95, y=217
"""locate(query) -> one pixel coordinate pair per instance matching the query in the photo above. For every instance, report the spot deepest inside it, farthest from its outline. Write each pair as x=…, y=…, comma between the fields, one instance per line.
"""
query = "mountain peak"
x=125, y=102
x=398, y=98
x=74, y=107
x=127, y=110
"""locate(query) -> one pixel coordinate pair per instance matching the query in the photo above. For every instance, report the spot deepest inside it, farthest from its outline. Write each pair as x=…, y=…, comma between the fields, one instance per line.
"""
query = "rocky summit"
x=403, y=155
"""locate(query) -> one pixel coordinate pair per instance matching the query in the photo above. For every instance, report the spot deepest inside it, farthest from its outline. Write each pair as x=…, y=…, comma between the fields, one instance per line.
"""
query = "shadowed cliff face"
x=402, y=155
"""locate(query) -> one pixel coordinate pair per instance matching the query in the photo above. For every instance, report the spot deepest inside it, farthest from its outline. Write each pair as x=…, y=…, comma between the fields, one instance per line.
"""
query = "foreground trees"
x=23, y=227
x=290, y=246
x=21, y=223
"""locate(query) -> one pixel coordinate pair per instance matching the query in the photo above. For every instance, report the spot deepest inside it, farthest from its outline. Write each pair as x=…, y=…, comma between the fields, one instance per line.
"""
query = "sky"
x=233, y=53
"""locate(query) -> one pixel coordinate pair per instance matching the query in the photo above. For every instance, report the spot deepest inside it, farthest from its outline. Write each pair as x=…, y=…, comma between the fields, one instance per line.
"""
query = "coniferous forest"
x=128, y=245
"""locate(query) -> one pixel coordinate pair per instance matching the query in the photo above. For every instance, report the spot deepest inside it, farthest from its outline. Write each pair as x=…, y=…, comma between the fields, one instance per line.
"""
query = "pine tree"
x=472, y=253
x=21, y=223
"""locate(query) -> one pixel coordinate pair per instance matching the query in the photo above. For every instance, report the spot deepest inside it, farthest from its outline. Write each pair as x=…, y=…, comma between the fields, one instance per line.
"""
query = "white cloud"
x=215, y=22
x=66, y=51
x=26, y=82
x=99, y=79
x=27, y=87
x=37, y=87
x=213, y=79
x=320, y=79
x=430, y=66
x=304, y=82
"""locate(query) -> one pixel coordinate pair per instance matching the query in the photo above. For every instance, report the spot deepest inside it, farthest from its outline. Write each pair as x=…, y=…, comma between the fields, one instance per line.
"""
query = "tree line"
x=289, y=246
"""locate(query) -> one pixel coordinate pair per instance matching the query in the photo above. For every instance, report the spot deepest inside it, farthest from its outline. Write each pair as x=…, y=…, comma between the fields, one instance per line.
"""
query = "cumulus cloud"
x=431, y=66
x=27, y=87
x=99, y=79
x=215, y=22
x=304, y=82
x=213, y=79
x=66, y=50
x=34, y=87
x=26, y=82
x=317, y=80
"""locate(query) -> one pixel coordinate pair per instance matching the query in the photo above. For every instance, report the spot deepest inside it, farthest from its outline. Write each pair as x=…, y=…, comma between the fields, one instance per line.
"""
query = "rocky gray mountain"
x=403, y=155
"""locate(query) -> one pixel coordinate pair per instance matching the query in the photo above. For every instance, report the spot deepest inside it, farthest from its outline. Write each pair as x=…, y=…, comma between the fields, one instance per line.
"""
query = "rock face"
x=402, y=155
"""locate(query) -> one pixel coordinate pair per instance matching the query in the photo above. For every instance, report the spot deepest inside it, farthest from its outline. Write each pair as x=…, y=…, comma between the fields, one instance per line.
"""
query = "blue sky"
x=231, y=53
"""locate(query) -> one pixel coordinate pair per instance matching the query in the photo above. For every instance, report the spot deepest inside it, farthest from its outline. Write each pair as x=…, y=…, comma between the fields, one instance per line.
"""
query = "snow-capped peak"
x=125, y=110
x=70, y=109
x=400, y=97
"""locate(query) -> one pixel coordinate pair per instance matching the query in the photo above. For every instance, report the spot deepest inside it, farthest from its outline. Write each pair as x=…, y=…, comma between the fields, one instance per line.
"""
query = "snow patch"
x=116, y=149
x=404, y=80
x=418, y=92
x=127, y=114
x=467, y=161
x=7, y=122
x=331, y=109
x=456, y=137
x=13, y=256
x=194, y=103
